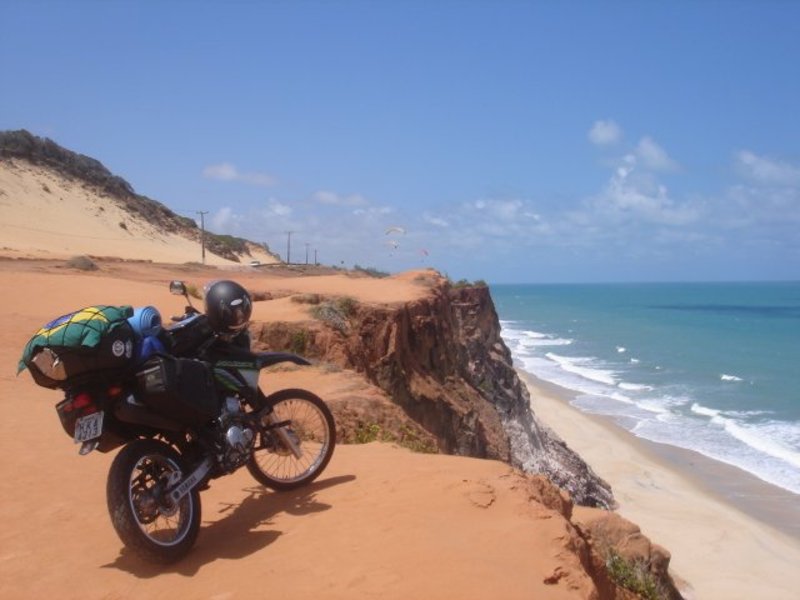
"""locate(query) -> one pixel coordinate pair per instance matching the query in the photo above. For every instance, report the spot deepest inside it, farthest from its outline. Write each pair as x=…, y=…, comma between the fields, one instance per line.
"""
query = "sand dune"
x=45, y=215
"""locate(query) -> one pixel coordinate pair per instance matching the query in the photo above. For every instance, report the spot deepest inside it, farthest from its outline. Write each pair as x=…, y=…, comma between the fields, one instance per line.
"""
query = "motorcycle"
x=191, y=413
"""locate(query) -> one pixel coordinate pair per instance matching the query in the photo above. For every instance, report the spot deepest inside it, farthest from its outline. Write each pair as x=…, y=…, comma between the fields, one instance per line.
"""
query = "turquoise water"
x=707, y=367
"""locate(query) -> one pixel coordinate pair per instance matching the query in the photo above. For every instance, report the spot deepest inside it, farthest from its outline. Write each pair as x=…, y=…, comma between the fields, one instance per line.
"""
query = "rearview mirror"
x=177, y=288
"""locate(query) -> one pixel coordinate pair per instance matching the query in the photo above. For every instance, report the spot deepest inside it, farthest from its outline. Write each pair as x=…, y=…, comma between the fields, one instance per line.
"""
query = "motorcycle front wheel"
x=146, y=522
x=295, y=452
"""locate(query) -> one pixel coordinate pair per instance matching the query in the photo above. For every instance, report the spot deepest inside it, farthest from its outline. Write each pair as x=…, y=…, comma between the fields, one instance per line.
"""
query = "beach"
x=721, y=551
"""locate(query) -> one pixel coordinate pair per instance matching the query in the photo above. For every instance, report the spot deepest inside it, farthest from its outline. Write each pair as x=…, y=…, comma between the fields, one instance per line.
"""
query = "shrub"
x=633, y=576
x=193, y=291
x=371, y=271
x=406, y=438
x=298, y=341
x=84, y=263
x=466, y=283
x=366, y=433
x=336, y=313
x=307, y=298
x=346, y=305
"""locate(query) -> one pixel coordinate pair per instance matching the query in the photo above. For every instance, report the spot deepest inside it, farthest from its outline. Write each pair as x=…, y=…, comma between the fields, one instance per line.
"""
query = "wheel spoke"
x=309, y=424
x=162, y=524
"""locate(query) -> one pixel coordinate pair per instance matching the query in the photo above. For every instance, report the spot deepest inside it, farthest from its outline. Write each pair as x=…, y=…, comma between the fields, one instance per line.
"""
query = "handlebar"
x=190, y=312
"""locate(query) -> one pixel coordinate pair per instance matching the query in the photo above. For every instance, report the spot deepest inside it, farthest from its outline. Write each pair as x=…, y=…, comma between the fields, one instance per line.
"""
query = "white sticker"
x=118, y=348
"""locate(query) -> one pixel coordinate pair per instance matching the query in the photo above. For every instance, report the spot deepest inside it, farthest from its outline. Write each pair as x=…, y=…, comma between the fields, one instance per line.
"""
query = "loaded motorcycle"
x=184, y=403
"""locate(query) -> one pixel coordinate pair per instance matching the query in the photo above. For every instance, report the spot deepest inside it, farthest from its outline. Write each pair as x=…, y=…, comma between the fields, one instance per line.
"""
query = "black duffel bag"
x=179, y=388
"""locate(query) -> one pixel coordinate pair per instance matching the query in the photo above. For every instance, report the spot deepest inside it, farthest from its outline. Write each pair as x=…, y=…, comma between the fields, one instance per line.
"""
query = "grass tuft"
x=83, y=263
x=633, y=576
x=405, y=438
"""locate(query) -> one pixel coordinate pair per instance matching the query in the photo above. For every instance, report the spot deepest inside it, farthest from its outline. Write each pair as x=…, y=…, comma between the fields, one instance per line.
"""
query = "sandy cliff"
x=442, y=360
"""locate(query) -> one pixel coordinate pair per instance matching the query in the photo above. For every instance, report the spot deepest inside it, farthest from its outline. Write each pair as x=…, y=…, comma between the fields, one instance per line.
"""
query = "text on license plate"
x=89, y=427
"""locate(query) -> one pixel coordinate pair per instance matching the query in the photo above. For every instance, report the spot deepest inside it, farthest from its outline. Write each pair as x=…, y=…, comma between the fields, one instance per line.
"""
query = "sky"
x=502, y=141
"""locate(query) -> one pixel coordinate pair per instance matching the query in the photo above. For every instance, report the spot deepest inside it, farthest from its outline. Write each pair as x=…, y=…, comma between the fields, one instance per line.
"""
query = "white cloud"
x=767, y=170
x=228, y=172
x=224, y=220
x=502, y=210
x=654, y=156
x=277, y=209
x=373, y=211
x=436, y=221
x=604, y=133
x=222, y=171
x=631, y=194
x=332, y=198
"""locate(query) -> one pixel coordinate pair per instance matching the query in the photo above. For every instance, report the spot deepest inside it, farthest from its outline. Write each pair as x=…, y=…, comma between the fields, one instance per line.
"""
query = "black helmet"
x=228, y=306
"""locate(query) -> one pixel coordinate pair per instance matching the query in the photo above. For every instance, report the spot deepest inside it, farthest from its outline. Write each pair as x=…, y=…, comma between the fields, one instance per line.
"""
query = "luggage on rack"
x=80, y=344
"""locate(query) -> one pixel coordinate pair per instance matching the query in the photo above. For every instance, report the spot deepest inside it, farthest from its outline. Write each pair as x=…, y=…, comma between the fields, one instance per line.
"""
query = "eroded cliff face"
x=442, y=360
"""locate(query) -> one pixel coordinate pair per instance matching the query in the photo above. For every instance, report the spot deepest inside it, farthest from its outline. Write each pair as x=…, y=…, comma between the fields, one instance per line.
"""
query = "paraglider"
x=391, y=242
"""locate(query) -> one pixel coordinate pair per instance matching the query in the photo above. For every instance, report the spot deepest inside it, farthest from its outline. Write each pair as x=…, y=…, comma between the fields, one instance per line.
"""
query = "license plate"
x=89, y=427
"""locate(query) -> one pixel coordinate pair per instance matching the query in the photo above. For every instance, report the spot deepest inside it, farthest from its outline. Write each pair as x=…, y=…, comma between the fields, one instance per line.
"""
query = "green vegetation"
x=486, y=387
x=367, y=433
x=307, y=298
x=346, y=305
x=226, y=243
x=336, y=313
x=406, y=438
x=83, y=263
x=298, y=341
x=633, y=576
x=466, y=283
x=371, y=271
x=193, y=291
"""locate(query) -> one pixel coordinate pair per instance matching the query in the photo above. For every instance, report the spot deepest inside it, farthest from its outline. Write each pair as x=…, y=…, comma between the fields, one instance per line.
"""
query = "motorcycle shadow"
x=233, y=535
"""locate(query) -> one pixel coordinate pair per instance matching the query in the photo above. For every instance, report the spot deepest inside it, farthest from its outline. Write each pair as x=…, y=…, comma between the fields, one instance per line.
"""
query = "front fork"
x=285, y=434
x=282, y=429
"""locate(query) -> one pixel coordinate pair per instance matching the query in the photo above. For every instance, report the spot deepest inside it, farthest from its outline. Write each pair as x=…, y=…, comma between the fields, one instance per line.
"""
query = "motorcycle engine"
x=238, y=437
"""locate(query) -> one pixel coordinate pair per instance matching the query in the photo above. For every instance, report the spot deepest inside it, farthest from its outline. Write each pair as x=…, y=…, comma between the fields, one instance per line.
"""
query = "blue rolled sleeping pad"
x=146, y=324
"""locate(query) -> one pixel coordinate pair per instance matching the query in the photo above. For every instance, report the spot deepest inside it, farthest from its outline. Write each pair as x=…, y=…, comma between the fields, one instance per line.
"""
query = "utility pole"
x=307, y=244
x=315, y=257
x=202, y=213
x=289, y=247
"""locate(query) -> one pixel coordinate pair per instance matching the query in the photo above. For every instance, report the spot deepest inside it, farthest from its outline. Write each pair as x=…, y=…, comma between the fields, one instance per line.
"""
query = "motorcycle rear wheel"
x=142, y=517
x=310, y=426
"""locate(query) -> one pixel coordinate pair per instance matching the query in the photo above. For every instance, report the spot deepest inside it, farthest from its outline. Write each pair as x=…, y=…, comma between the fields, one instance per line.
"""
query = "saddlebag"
x=179, y=388
x=80, y=345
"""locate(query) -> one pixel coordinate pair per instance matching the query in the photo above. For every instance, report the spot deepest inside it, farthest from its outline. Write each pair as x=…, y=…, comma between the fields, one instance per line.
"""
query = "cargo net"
x=91, y=339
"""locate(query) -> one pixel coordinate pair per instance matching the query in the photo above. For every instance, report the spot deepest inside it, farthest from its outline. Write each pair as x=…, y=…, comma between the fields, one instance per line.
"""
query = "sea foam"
x=726, y=377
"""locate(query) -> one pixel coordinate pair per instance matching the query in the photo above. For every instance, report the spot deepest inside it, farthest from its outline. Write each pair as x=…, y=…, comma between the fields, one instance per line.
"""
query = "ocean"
x=708, y=367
